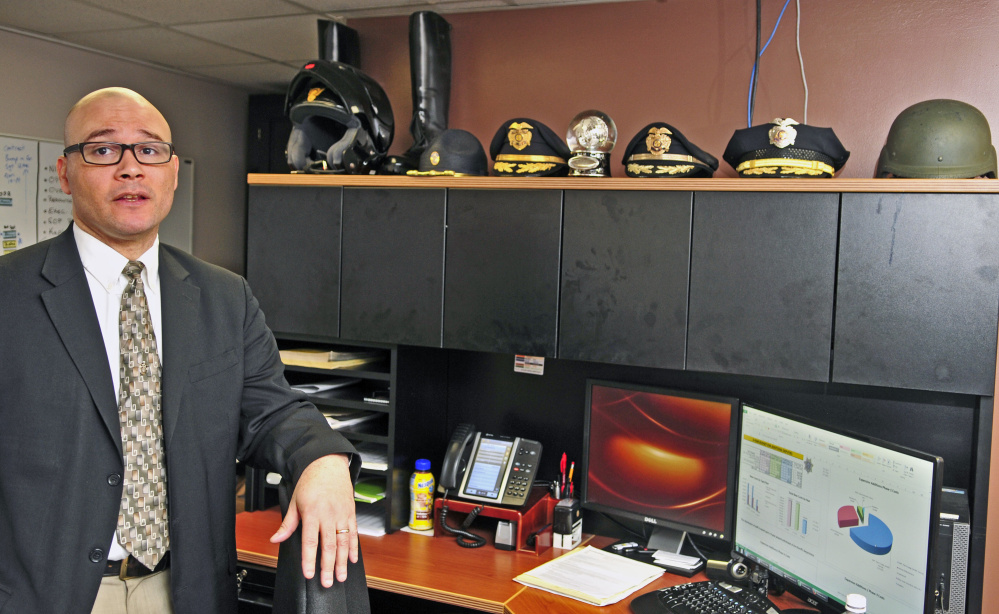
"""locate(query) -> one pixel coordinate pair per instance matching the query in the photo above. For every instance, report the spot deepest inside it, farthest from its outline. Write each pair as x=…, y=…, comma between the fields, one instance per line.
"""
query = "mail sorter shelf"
x=340, y=394
x=367, y=372
x=410, y=425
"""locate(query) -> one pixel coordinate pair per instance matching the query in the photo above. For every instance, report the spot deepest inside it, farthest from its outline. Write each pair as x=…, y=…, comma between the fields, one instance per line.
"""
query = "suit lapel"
x=180, y=300
x=71, y=308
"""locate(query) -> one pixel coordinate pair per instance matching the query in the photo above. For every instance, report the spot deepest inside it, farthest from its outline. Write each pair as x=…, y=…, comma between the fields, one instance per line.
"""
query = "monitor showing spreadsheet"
x=833, y=513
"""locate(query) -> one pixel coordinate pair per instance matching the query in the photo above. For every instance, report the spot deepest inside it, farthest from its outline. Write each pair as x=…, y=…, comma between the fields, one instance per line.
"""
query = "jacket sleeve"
x=280, y=430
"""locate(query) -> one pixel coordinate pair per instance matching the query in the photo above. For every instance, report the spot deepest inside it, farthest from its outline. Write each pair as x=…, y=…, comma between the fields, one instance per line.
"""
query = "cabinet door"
x=501, y=272
x=393, y=265
x=625, y=266
x=762, y=278
x=918, y=291
x=293, y=257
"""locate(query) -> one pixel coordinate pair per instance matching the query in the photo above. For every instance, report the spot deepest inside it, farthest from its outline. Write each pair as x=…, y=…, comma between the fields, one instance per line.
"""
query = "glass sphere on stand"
x=591, y=138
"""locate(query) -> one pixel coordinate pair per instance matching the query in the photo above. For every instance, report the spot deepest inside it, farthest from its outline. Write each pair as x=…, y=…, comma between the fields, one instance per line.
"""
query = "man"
x=192, y=350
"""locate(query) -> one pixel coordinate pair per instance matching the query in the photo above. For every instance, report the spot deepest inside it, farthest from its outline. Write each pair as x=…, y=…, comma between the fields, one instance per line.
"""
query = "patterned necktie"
x=142, y=520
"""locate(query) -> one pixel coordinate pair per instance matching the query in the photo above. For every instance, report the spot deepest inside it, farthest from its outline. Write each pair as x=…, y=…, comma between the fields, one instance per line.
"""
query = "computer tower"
x=952, y=552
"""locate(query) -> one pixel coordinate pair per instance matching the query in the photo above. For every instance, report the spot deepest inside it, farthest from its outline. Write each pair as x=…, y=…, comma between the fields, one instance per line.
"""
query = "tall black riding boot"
x=430, y=71
x=339, y=43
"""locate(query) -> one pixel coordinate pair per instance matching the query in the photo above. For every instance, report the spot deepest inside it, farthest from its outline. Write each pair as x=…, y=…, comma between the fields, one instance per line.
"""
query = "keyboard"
x=703, y=598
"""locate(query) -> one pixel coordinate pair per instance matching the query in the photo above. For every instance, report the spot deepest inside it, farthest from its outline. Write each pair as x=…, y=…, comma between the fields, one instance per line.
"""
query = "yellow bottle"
x=421, y=497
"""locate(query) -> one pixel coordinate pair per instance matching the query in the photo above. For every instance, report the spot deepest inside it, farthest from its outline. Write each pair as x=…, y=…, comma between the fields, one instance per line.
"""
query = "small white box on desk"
x=568, y=541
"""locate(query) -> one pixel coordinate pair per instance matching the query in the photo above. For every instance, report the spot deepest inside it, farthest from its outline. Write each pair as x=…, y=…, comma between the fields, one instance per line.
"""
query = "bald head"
x=109, y=96
x=120, y=203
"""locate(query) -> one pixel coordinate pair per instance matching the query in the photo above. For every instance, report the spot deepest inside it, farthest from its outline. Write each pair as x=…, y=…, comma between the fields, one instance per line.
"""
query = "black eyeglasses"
x=107, y=153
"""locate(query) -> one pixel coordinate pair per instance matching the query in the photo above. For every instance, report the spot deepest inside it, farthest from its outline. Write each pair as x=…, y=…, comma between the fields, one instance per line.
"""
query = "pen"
x=561, y=468
x=572, y=468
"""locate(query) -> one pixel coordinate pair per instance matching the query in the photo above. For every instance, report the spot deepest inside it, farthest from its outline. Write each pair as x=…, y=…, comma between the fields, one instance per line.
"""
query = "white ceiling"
x=257, y=45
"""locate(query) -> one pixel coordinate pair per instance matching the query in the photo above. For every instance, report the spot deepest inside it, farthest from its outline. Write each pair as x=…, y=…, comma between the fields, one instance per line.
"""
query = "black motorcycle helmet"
x=342, y=120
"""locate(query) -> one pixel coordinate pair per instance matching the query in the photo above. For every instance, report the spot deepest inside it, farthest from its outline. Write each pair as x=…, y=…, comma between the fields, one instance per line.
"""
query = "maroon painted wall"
x=687, y=62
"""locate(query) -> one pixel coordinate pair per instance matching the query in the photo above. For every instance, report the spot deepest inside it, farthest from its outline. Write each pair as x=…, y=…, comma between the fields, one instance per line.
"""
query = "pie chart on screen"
x=868, y=531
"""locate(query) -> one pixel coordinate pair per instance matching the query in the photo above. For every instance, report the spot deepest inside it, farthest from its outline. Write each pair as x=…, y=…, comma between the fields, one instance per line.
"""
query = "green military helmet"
x=945, y=139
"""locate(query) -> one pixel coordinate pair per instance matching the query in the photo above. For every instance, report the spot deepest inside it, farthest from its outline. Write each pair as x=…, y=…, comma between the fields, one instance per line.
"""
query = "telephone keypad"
x=522, y=472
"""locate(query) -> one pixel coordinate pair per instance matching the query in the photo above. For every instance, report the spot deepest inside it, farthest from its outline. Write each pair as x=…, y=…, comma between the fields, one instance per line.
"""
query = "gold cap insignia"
x=520, y=135
x=435, y=158
x=657, y=141
x=783, y=134
x=314, y=93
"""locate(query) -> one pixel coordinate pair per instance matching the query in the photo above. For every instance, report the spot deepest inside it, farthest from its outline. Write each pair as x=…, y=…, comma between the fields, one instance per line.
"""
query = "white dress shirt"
x=104, y=268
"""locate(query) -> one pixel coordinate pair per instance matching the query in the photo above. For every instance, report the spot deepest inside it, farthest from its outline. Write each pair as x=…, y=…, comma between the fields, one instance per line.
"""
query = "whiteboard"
x=18, y=193
x=33, y=206
x=55, y=207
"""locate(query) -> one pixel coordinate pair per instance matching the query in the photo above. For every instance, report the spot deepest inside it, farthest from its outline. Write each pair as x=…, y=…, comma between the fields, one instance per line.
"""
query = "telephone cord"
x=466, y=539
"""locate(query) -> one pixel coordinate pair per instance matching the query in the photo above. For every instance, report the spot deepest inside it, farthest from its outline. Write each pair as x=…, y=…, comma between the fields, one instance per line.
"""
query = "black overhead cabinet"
x=293, y=257
x=741, y=283
x=625, y=265
x=917, y=292
x=393, y=265
x=762, y=280
x=501, y=271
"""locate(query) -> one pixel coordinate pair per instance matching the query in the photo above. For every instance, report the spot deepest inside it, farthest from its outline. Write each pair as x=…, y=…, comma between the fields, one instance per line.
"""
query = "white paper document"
x=371, y=519
x=373, y=456
x=323, y=386
x=676, y=560
x=592, y=576
x=337, y=423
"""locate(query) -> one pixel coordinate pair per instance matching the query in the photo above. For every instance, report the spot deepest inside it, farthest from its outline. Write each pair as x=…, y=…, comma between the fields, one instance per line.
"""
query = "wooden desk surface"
x=440, y=570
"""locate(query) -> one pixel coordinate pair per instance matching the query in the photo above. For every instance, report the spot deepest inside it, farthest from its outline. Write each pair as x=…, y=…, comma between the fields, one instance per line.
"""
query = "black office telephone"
x=490, y=468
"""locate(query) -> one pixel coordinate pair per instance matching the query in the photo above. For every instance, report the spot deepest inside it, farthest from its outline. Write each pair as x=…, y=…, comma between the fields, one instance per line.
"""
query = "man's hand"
x=324, y=502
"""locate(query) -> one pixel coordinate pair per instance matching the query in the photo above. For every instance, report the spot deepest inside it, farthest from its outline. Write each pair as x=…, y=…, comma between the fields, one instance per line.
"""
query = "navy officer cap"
x=523, y=147
x=660, y=150
x=785, y=148
x=454, y=152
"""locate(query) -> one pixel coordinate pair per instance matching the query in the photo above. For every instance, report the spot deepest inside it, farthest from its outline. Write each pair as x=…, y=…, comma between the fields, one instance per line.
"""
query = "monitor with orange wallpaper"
x=664, y=457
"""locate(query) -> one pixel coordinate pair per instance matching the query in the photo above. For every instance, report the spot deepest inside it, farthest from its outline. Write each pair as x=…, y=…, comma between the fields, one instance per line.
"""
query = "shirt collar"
x=106, y=265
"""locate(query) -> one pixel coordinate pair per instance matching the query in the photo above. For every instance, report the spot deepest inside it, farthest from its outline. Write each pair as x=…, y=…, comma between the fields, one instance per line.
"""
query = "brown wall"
x=687, y=62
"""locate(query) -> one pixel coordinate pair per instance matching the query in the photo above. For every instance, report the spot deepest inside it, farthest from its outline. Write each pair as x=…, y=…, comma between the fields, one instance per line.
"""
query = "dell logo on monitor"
x=650, y=520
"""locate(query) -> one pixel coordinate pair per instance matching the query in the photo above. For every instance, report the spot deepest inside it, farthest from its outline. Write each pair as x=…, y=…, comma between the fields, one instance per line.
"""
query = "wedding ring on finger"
x=342, y=531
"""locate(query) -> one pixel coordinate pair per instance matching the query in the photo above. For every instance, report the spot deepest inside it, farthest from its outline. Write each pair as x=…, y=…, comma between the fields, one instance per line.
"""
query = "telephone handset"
x=457, y=455
x=491, y=468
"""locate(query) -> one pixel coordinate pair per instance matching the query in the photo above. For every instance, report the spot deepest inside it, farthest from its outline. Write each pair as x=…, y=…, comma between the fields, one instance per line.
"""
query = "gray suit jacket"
x=224, y=397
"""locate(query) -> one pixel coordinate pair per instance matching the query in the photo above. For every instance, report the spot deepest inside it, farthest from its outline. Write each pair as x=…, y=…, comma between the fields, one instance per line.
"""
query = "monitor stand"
x=666, y=539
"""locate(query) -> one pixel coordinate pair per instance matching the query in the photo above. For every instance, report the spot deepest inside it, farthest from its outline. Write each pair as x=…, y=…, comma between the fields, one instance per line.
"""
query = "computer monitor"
x=661, y=456
x=834, y=513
